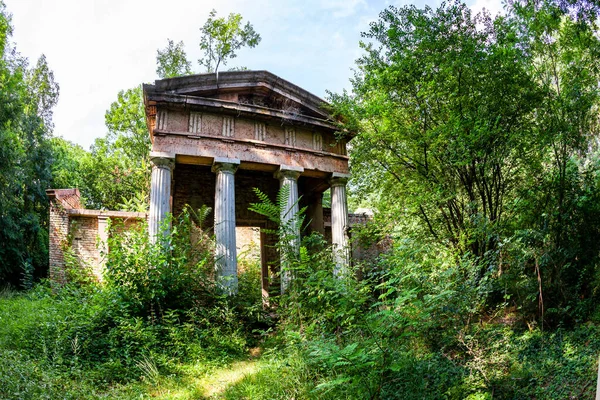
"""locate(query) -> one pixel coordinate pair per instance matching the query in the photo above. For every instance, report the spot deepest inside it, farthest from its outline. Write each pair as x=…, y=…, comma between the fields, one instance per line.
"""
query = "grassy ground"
x=41, y=357
x=253, y=378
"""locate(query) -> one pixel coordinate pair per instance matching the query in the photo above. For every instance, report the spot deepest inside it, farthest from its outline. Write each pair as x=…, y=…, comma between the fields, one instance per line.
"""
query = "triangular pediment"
x=253, y=88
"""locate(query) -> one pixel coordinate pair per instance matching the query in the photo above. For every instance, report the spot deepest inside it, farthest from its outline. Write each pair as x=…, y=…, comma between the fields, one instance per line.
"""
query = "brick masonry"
x=75, y=229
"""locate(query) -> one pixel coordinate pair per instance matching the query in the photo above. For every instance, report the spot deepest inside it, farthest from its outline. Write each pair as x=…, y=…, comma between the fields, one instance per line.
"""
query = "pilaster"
x=102, y=246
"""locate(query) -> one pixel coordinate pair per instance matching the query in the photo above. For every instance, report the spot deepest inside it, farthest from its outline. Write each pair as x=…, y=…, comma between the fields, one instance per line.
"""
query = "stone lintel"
x=79, y=212
x=203, y=152
x=288, y=171
x=161, y=154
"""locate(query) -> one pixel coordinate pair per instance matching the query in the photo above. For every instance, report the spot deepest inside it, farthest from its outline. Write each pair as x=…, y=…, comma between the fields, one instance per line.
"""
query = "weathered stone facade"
x=215, y=139
x=229, y=133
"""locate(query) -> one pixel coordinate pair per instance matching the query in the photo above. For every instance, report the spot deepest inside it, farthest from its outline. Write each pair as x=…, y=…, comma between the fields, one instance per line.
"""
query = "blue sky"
x=98, y=47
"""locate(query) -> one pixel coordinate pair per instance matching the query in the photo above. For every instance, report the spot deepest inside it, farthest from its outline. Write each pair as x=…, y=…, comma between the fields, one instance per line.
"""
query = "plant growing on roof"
x=221, y=38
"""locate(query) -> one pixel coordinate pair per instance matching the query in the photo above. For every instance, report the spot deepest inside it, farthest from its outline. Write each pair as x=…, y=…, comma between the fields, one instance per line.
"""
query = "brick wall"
x=75, y=229
x=83, y=231
x=58, y=234
x=194, y=185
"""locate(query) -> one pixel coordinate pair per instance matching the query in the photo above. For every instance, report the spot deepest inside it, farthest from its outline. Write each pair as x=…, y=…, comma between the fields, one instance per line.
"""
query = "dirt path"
x=217, y=382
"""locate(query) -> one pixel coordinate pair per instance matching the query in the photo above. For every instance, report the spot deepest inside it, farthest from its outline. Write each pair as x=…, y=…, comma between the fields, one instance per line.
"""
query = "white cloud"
x=338, y=40
x=343, y=8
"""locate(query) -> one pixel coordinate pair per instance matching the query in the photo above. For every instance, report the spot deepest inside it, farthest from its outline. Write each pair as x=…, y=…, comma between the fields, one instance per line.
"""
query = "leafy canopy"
x=27, y=96
x=222, y=38
x=172, y=61
x=442, y=100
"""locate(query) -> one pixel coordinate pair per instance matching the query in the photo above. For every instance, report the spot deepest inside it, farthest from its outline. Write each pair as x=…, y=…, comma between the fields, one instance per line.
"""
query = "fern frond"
x=265, y=207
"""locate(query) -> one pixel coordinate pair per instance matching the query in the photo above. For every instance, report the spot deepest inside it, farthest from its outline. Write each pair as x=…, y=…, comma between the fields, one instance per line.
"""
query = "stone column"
x=226, y=253
x=160, y=191
x=339, y=223
x=288, y=177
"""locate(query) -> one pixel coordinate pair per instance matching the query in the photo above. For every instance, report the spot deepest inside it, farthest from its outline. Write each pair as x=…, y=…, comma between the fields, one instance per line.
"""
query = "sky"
x=98, y=47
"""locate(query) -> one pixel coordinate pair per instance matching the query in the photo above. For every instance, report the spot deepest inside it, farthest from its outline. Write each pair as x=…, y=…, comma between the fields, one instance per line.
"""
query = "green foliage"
x=126, y=123
x=149, y=280
x=555, y=234
x=476, y=141
x=69, y=161
x=443, y=126
x=27, y=96
x=476, y=135
x=156, y=304
x=172, y=61
x=115, y=174
x=222, y=38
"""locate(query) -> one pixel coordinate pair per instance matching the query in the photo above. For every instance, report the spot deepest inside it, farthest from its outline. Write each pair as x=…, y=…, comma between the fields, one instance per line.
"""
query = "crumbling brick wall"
x=81, y=232
x=58, y=232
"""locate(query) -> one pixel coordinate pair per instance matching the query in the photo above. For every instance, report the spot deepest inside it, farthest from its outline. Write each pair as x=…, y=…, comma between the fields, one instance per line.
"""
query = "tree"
x=443, y=103
x=221, y=38
x=480, y=136
x=69, y=163
x=560, y=207
x=172, y=61
x=117, y=173
x=27, y=96
x=126, y=123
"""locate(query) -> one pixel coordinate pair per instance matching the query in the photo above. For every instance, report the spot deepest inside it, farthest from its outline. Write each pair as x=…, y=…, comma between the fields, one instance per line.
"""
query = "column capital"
x=339, y=179
x=288, y=171
x=162, y=159
x=222, y=164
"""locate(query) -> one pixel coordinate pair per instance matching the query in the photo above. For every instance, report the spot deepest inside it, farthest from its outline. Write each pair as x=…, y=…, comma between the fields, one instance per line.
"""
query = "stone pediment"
x=259, y=93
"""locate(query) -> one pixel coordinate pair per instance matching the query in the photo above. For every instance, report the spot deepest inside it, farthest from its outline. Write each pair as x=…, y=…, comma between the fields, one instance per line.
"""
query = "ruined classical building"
x=214, y=139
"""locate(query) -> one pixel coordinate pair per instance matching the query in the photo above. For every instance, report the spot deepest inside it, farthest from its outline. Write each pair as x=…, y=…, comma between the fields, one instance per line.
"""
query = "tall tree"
x=172, y=61
x=443, y=100
x=560, y=209
x=222, y=38
x=117, y=173
x=27, y=96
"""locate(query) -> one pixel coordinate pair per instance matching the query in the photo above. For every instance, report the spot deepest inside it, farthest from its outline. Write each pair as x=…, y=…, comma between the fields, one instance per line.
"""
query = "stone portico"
x=217, y=137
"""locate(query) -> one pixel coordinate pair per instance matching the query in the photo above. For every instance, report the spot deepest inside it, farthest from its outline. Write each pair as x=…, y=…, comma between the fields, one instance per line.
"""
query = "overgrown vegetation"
x=477, y=145
x=155, y=310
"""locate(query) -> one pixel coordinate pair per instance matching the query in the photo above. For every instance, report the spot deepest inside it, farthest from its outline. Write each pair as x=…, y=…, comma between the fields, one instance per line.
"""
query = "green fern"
x=274, y=211
x=267, y=207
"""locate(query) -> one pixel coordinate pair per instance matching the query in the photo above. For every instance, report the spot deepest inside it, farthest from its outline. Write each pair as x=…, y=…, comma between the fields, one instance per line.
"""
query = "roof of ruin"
x=252, y=93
